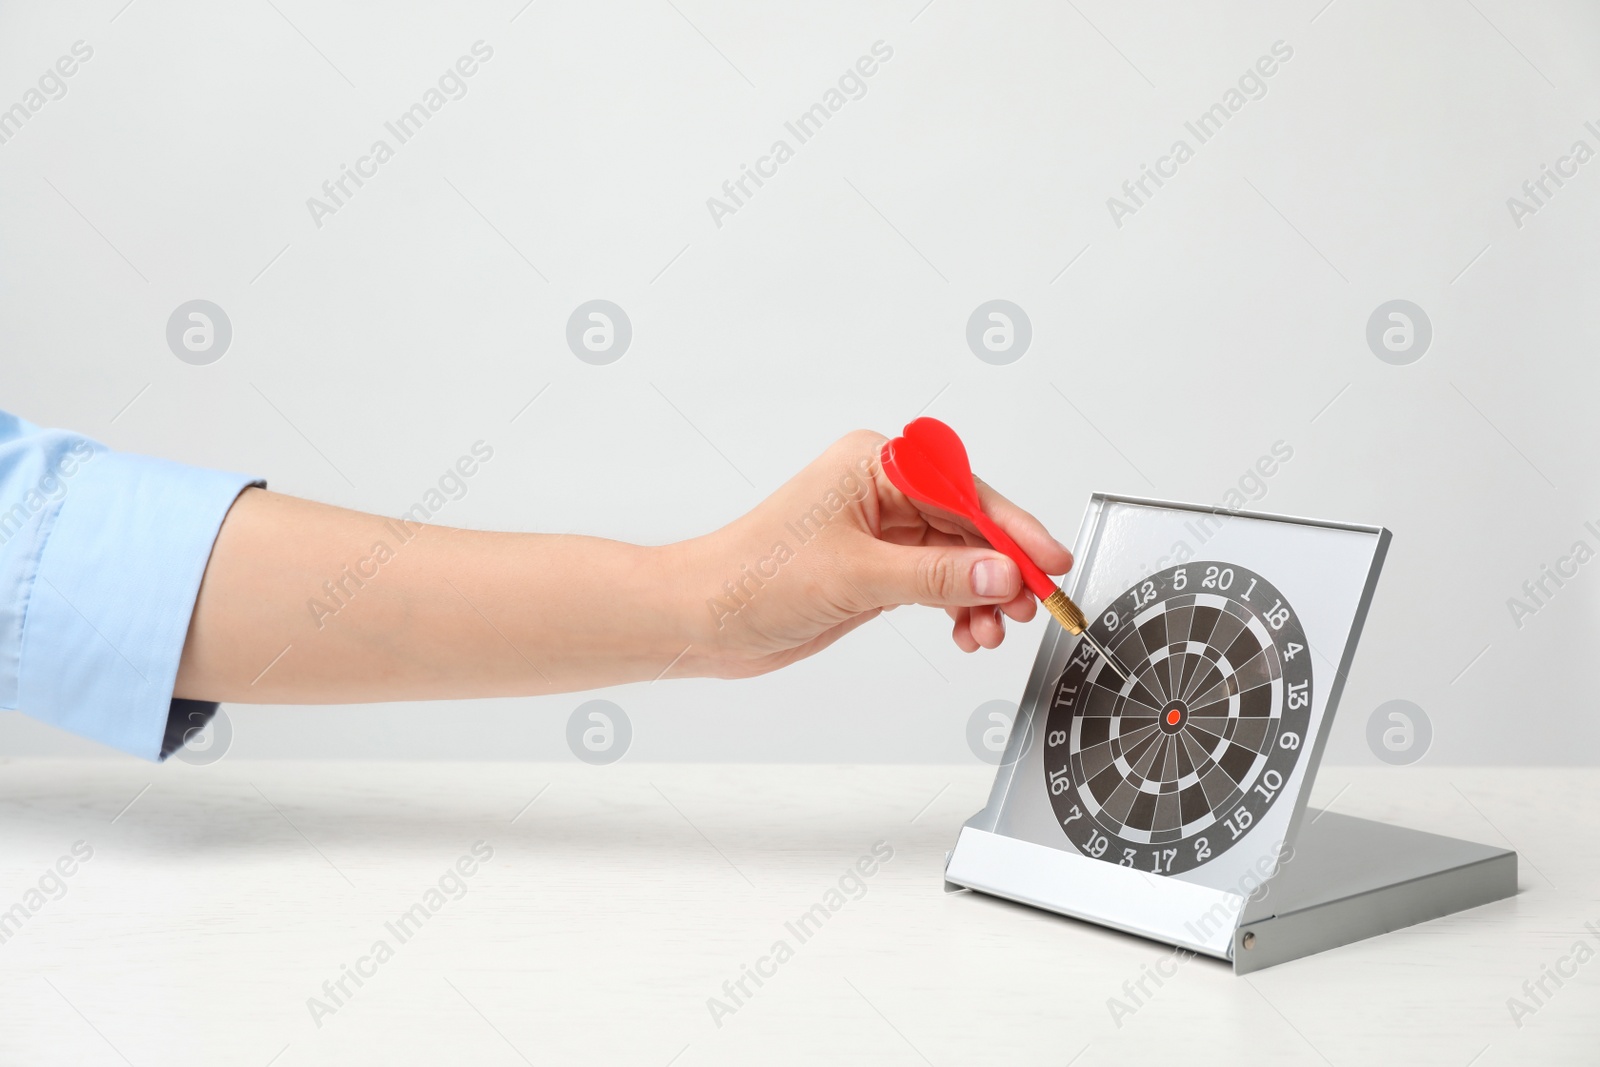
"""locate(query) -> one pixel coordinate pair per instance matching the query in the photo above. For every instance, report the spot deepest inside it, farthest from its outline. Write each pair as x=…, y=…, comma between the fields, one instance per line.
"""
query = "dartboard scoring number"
x=1167, y=770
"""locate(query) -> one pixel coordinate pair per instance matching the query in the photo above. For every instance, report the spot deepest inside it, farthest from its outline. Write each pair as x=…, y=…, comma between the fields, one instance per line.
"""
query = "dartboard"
x=1175, y=765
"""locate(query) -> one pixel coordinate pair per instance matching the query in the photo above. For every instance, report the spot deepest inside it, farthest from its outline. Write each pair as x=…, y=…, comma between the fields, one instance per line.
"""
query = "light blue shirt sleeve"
x=101, y=556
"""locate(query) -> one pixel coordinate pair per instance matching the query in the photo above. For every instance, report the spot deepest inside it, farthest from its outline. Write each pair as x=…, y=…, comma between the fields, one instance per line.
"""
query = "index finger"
x=1029, y=533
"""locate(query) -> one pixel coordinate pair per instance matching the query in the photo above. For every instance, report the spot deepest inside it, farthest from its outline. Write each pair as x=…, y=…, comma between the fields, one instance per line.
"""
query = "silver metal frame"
x=1338, y=879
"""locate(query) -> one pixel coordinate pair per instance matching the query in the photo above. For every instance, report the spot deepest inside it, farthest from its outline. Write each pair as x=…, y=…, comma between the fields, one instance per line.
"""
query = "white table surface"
x=222, y=897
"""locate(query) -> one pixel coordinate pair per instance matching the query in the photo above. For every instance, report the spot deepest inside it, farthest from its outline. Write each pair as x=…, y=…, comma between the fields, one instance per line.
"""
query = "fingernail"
x=1063, y=548
x=989, y=577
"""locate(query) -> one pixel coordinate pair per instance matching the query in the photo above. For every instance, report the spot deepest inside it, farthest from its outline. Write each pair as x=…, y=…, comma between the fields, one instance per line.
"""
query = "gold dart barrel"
x=1071, y=619
x=1066, y=612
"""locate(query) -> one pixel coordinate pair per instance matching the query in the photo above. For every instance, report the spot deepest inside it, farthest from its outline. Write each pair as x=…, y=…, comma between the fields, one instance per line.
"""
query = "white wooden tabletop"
x=219, y=908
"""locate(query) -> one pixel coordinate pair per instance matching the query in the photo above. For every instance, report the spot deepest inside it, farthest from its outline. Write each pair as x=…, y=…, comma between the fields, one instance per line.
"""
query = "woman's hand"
x=836, y=545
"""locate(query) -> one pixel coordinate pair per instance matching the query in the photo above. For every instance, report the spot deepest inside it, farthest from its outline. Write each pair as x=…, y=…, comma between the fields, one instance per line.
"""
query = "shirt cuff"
x=109, y=608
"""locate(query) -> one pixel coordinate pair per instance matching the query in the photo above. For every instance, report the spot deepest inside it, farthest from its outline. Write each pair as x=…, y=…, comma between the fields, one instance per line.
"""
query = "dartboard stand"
x=1172, y=805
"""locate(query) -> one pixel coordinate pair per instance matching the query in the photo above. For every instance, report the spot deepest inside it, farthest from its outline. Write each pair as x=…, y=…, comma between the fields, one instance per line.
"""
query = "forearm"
x=305, y=603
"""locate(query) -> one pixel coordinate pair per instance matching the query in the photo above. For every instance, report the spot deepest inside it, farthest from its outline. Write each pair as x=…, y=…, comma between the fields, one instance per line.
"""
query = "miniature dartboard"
x=1164, y=770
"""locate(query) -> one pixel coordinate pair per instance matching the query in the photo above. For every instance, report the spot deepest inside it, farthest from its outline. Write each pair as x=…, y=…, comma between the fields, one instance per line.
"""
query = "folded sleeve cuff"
x=109, y=608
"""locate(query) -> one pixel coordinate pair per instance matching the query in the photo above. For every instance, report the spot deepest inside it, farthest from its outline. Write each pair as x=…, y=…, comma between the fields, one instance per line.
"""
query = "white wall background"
x=1229, y=313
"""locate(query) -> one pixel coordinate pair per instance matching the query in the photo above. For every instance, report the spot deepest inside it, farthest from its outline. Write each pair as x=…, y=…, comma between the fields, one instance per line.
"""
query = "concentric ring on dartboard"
x=1175, y=765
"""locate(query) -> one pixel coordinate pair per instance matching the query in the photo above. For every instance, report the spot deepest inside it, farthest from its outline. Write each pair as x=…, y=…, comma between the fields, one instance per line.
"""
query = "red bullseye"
x=1175, y=718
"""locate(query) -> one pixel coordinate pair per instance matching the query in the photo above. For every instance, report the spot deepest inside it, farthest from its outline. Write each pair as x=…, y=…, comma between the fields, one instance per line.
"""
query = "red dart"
x=929, y=464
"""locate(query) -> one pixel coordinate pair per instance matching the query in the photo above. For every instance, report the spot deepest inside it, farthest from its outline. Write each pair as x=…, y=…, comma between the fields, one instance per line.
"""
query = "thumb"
x=941, y=577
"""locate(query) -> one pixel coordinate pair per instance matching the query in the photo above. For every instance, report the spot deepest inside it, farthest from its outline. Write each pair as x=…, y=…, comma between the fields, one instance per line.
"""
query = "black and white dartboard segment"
x=1174, y=766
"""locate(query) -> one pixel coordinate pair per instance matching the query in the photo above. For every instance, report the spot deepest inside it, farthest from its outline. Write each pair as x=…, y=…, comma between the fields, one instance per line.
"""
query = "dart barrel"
x=1066, y=612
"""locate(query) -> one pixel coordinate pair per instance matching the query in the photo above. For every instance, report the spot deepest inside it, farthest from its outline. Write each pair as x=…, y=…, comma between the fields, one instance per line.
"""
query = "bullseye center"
x=1173, y=717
